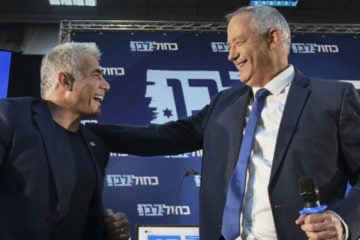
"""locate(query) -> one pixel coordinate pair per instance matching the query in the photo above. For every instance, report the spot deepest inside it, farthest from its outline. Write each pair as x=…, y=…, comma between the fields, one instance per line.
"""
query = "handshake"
x=116, y=226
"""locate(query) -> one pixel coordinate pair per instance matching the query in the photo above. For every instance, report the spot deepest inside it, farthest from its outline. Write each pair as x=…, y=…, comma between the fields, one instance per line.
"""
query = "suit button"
x=278, y=206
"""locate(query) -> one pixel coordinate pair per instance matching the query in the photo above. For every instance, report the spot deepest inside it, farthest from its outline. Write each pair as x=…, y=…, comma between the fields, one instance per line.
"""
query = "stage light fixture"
x=82, y=3
x=275, y=3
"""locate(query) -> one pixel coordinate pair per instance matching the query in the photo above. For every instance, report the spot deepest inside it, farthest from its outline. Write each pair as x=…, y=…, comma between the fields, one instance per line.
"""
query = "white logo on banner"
x=147, y=46
x=314, y=48
x=121, y=180
x=198, y=153
x=219, y=47
x=113, y=71
x=183, y=92
x=112, y=154
x=88, y=121
x=197, y=180
x=356, y=83
x=159, y=210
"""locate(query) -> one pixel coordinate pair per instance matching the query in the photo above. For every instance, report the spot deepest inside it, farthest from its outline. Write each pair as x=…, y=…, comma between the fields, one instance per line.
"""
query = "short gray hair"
x=64, y=58
x=265, y=18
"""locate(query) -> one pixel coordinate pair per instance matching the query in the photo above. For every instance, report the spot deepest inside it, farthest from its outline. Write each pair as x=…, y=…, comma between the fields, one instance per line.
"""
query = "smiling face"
x=87, y=92
x=250, y=51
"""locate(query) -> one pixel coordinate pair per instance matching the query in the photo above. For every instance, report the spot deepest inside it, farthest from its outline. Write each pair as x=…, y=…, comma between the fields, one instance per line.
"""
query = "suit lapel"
x=232, y=119
x=295, y=102
x=61, y=161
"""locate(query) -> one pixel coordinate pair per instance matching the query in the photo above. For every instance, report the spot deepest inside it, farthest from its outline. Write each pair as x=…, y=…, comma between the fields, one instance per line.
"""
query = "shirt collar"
x=279, y=82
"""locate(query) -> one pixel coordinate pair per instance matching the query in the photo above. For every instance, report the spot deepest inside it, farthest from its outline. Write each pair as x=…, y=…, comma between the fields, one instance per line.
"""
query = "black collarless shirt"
x=73, y=226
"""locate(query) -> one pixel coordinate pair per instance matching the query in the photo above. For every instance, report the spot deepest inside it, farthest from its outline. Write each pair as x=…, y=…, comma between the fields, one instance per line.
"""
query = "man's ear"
x=274, y=38
x=65, y=81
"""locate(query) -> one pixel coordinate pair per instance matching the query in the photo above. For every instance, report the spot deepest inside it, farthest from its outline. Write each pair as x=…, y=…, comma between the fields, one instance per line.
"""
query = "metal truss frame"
x=68, y=27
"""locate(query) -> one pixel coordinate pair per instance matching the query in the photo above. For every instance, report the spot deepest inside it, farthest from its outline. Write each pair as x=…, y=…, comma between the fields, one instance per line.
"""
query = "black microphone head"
x=309, y=191
x=189, y=171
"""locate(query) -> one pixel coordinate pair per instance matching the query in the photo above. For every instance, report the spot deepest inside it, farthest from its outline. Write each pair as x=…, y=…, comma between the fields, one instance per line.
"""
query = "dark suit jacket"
x=319, y=135
x=37, y=172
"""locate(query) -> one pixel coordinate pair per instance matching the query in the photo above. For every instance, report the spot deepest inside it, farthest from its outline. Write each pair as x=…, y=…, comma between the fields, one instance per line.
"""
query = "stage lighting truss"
x=68, y=27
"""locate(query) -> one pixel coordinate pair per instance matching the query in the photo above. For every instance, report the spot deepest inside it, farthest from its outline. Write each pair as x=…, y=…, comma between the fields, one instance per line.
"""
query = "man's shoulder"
x=234, y=92
x=17, y=105
x=315, y=82
x=330, y=84
x=19, y=101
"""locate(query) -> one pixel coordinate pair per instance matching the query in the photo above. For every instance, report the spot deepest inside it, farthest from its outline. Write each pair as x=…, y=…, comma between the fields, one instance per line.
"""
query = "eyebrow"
x=235, y=39
x=97, y=70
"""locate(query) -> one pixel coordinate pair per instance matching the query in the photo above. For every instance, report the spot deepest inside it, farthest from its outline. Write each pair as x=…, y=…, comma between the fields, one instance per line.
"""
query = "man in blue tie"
x=250, y=170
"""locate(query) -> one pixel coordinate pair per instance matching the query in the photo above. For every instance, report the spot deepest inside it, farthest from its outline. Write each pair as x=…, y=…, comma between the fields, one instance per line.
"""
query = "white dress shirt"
x=257, y=219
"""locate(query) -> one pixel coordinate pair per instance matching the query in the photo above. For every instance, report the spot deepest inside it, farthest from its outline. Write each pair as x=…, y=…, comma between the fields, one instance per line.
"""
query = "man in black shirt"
x=52, y=167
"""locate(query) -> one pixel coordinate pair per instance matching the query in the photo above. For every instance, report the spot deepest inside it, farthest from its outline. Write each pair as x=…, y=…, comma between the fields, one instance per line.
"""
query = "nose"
x=105, y=85
x=232, y=55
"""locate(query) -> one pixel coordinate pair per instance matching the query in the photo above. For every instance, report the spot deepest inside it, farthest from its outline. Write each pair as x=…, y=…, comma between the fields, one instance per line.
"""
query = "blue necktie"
x=235, y=194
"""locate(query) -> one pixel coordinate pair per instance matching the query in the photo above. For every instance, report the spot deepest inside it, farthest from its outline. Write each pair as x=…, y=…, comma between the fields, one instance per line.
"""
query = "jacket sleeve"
x=170, y=138
x=5, y=129
x=349, y=134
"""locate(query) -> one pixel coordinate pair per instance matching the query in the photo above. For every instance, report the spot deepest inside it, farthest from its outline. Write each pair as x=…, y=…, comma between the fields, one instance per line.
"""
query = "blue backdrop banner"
x=158, y=77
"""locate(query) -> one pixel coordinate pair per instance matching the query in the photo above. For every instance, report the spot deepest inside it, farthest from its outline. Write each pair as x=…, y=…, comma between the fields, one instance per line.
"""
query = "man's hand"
x=116, y=226
x=319, y=226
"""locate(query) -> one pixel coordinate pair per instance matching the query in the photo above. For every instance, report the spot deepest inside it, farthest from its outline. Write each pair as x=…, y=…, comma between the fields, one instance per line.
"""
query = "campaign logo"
x=113, y=71
x=219, y=47
x=174, y=93
x=160, y=210
x=113, y=154
x=197, y=180
x=122, y=180
x=356, y=83
x=198, y=153
x=147, y=46
x=84, y=121
x=312, y=48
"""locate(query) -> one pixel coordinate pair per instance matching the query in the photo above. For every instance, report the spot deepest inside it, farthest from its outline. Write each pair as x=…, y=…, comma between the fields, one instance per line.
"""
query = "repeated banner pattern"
x=158, y=77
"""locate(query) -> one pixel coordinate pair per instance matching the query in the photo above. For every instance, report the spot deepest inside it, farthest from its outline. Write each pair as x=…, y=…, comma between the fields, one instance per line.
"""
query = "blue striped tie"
x=235, y=194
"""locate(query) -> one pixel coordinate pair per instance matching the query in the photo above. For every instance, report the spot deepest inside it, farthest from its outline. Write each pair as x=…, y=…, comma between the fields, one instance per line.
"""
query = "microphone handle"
x=313, y=210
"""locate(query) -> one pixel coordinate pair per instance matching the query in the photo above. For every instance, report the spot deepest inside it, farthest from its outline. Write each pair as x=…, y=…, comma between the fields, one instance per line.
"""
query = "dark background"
x=314, y=11
x=17, y=16
x=24, y=75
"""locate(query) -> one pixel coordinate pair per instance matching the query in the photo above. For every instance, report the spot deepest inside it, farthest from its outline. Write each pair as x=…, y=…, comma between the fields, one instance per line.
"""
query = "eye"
x=239, y=43
x=97, y=74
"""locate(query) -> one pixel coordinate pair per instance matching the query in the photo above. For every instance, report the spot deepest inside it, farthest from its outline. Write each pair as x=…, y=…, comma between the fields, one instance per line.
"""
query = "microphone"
x=309, y=191
x=189, y=171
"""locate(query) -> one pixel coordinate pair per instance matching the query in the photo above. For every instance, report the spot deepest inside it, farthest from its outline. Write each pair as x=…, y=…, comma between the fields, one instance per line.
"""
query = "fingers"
x=116, y=221
x=300, y=220
x=321, y=226
x=117, y=225
x=109, y=212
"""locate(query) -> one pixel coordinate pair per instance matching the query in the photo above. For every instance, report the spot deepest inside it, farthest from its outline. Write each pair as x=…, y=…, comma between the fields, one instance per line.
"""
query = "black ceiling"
x=307, y=11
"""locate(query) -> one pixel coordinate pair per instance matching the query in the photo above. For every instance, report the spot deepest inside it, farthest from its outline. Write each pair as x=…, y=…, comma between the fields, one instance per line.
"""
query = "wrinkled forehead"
x=240, y=24
x=241, y=19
